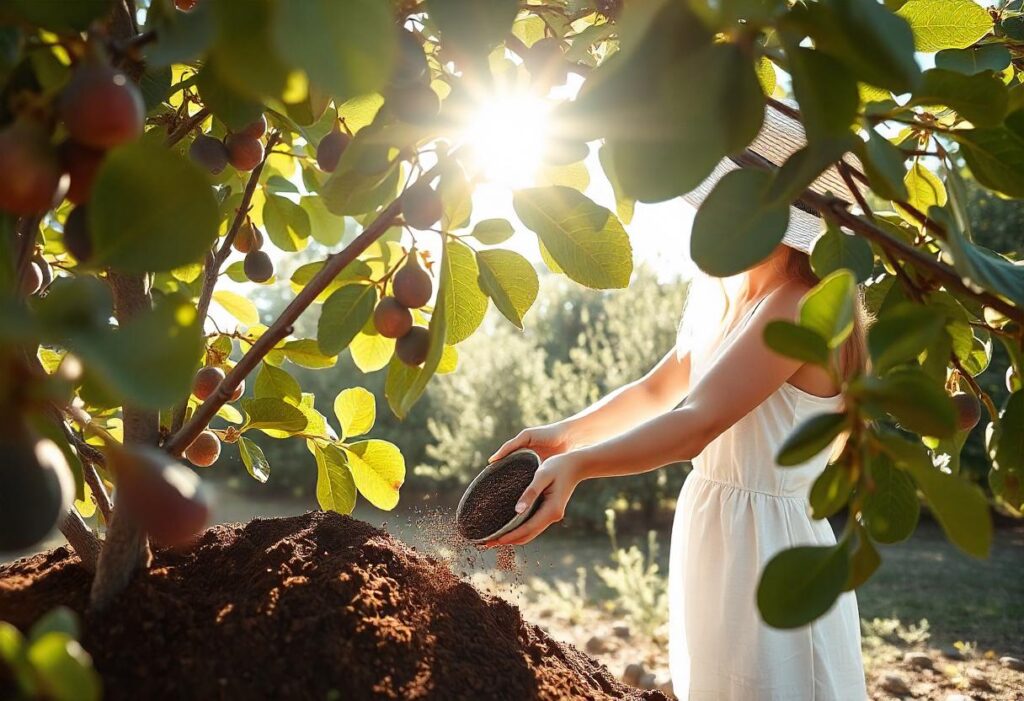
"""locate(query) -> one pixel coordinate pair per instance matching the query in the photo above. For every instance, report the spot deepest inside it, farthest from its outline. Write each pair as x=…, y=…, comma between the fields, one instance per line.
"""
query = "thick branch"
x=185, y=127
x=82, y=540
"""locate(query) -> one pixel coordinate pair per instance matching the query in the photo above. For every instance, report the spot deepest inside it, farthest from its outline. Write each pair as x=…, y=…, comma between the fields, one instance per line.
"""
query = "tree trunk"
x=82, y=540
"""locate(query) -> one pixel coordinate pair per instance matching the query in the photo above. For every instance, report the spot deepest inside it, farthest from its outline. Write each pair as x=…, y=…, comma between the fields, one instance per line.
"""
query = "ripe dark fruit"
x=412, y=286
x=239, y=390
x=204, y=450
x=210, y=153
x=391, y=319
x=248, y=238
x=36, y=488
x=331, y=148
x=421, y=207
x=257, y=129
x=412, y=348
x=206, y=381
x=77, y=239
x=32, y=179
x=968, y=410
x=80, y=163
x=185, y=5
x=161, y=494
x=33, y=279
x=257, y=266
x=244, y=152
x=416, y=103
x=101, y=107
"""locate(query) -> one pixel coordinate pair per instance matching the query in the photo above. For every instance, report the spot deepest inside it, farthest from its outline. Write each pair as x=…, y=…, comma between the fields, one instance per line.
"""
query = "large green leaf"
x=918, y=402
x=63, y=668
x=74, y=15
x=988, y=57
x=902, y=333
x=347, y=48
x=510, y=281
x=276, y=383
x=924, y=190
x=356, y=410
x=586, y=240
x=151, y=210
x=256, y=463
x=236, y=109
x=800, y=584
x=891, y=509
x=864, y=561
x=1006, y=444
x=979, y=98
x=737, y=226
x=287, y=223
x=826, y=91
x=379, y=471
x=884, y=166
x=469, y=28
x=828, y=308
x=995, y=155
x=982, y=266
x=795, y=341
x=335, y=487
x=831, y=490
x=274, y=417
x=810, y=438
x=946, y=24
x=465, y=303
x=493, y=231
x=836, y=250
x=244, y=52
x=343, y=316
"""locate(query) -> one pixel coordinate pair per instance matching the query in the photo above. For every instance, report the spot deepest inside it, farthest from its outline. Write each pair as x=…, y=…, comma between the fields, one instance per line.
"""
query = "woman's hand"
x=555, y=481
x=546, y=441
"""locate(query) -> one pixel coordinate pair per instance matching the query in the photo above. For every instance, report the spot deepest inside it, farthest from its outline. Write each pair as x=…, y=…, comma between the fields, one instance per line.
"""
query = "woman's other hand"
x=555, y=481
x=547, y=441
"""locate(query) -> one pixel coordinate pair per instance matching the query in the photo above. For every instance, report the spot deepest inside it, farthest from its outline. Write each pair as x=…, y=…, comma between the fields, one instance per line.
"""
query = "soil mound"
x=318, y=606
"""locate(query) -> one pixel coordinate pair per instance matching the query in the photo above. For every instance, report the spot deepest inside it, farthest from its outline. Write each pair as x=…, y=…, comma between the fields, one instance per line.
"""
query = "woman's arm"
x=744, y=375
x=655, y=393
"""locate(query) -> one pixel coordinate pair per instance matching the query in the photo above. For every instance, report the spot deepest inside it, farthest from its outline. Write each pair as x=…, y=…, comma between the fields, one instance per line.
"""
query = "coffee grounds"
x=308, y=607
x=492, y=503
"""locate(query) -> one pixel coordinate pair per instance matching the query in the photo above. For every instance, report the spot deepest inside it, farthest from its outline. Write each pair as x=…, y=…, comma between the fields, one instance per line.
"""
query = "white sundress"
x=736, y=510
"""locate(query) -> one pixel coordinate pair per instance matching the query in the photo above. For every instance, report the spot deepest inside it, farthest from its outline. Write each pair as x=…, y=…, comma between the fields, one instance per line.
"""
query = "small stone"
x=648, y=681
x=1012, y=663
x=957, y=697
x=597, y=644
x=633, y=673
x=895, y=684
x=977, y=679
x=918, y=660
x=952, y=653
x=621, y=630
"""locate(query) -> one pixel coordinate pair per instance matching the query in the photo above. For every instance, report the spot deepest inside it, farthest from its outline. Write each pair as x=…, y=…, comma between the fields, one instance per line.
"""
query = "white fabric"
x=737, y=509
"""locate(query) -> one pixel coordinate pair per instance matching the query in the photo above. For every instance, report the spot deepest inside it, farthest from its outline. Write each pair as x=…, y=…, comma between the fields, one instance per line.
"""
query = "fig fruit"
x=80, y=163
x=421, y=206
x=209, y=153
x=968, y=410
x=36, y=488
x=412, y=348
x=391, y=319
x=244, y=152
x=331, y=148
x=257, y=266
x=239, y=390
x=32, y=180
x=415, y=103
x=185, y=5
x=32, y=280
x=206, y=381
x=411, y=285
x=257, y=129
x=161, y=494
x=77, y=238
x=248, y=238
x=101, y=106
x=204, y=450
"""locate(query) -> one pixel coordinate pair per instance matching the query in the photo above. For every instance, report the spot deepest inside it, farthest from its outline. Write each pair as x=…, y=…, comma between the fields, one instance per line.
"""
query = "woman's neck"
x=765, y=276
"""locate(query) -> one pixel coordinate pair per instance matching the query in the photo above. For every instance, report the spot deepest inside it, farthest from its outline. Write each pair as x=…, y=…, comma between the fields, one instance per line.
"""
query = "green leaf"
x=343, y=316
x=356, y=410
x=325, y=227
x=356, y=270
x=274, y=417
x=826, y=91
x=58, y=620
x=472, y=27
x=810, y=438
x=347, y=48
x=465, y=302
x=624, y=204
x=306, y=352
x=989, y=57
x=254, y=460
x=925, y=190
x=371, y=351
x=737, y=226
x=242, y=308
x=979, y=98
x=795, y=341
x=64, y=669
x=510, y=281
x=891, y=509
x=182, y=37
x=379, y=471
x=864, y=561
x=915, y=400
x=287, y=223
x=946, y=24
x=802, y=169
x=995, y=155
x=74, y=15
x=236, y=109
x=800, y=584
x=335, y=488
x=276, y=383
x=884, y=167
x=982, y=266
x=831, y=491
x=244, y=51
x=836, y=250
x=902, y=333
x=456, y=197
x=151, y=210
x=493, y=231
x=828, y=308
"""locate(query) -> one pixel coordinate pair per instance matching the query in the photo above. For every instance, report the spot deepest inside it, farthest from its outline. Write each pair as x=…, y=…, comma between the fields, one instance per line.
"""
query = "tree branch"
x=81, y=539
x=186, y=126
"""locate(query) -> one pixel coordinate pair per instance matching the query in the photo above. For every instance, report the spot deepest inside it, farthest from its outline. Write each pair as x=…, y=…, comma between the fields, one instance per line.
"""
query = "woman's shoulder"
x=784, y=300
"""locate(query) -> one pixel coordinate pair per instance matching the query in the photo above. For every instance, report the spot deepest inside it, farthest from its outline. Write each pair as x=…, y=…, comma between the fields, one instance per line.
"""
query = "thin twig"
x=185, y=127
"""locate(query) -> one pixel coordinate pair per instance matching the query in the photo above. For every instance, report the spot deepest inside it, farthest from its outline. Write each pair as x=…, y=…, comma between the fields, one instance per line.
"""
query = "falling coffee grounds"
x=492, y=502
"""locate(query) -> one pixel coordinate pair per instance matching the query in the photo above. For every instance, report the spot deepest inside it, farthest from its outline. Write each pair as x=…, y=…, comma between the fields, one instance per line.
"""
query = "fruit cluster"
x=242, y=149
x=205, y=449
x=411, y=288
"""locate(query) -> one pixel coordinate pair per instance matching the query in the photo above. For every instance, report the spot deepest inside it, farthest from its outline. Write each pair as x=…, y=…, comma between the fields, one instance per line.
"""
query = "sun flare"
x=508, y=135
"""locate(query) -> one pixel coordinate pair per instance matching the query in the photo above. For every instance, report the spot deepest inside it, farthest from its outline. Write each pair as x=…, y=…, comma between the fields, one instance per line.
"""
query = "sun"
x=508, y=135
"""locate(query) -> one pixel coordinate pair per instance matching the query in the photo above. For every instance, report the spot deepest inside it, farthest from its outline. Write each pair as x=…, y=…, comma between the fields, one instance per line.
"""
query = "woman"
x=724, y=401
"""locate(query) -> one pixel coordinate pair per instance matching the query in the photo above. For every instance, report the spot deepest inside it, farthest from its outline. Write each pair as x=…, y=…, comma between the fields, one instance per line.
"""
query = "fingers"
x=548, y=513
x=521, y=440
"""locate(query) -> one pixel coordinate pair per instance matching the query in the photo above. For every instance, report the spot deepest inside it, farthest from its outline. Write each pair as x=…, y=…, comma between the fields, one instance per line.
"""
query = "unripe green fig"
x=968, y=410
x=204, y=450
x=257, y=266
x=77, y=237
x=257, y=129
x=331, y=148
x=32, y=280
x=244, y=152
x=415, y=103
x=206, y=382
x=31, y=178
x=412, y=348
x=411, y=284
x=391, y=319
x=80, y=163
x=161, y=494
x=1012, y=379
x=248, y=238
x=36, y=488
x=209, y=153
x=421, y=206
x=101, y=107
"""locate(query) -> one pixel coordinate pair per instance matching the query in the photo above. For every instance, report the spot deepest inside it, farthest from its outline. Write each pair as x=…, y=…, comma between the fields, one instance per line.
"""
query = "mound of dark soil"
x=318, y=606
